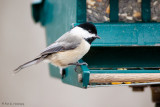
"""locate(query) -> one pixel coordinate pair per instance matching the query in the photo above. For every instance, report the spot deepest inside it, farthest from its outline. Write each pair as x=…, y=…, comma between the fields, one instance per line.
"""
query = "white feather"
x=81, y=32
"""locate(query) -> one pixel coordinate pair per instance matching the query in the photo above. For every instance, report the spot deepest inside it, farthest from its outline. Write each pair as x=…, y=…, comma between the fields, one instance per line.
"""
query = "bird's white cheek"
x=81, y=32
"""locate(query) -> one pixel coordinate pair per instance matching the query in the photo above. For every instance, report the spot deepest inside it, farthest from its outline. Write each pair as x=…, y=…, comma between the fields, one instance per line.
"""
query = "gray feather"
x=65, y=42
x=27, y=64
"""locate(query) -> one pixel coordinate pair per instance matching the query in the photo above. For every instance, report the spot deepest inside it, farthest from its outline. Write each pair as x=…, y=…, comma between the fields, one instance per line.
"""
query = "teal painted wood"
x=85, y=74
x=42, y=12
x=85, y=77
x=114, y=10
x=71, y=77
x=146, y=10
x=36, y=9
x=128, y=34
x=81, y=11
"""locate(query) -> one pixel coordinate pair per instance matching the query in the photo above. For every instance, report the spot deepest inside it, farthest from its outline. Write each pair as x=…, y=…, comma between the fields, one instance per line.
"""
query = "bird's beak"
x=97, y=37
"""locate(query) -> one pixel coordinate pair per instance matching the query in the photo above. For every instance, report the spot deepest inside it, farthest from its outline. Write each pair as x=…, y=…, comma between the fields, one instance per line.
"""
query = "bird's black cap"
x=89, y=27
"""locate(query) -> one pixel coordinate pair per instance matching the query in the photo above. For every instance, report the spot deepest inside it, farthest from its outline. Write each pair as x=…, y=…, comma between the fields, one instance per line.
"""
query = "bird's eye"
x=89, y=31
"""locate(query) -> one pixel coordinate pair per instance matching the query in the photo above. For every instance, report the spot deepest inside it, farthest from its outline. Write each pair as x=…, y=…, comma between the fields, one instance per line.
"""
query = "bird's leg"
x=78, y=64
x=75, y=69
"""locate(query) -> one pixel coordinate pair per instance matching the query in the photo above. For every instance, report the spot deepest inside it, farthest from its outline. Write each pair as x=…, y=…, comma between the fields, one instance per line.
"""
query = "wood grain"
x=129, y=77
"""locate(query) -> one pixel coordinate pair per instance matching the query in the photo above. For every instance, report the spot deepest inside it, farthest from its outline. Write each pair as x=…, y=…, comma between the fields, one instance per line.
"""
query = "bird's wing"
x=65, y=42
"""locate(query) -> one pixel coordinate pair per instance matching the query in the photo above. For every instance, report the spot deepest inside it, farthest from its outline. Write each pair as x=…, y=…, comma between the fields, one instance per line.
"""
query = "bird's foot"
x=83, y=63
x=78, y=64
x=75, y=69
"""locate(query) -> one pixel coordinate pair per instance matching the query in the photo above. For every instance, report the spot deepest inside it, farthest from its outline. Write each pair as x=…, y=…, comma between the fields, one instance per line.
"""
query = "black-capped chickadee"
x=68, y=49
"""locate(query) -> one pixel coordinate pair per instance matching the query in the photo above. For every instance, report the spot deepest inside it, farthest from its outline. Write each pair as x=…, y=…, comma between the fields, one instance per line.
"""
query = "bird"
x=67, y=49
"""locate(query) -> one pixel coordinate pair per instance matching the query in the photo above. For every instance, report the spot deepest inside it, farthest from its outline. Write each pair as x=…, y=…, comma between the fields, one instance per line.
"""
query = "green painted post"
x=146, y=10
x=81, y=11
x=114, y=10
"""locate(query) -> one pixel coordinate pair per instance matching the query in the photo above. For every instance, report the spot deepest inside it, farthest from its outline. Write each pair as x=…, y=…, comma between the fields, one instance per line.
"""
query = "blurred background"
x=21, y=40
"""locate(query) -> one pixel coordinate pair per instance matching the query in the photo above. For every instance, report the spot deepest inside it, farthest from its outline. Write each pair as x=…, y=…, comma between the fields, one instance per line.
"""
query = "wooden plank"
x=141, y=77
x=144, y=77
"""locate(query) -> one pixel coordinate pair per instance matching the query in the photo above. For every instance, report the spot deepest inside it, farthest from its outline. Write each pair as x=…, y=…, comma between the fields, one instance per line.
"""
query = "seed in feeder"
x=128, y=82
x=116, y=83
x=123, y=14
x=139, y=1
x=108, y=9
x=124, y=68
x=99, y=0
x=106, y=18
x=155, y=3
x=89, y=6
x=89, y=11
x=121, y=68
x=155, y=18
x=91, y=2
x=129, y=18
x=136, y=14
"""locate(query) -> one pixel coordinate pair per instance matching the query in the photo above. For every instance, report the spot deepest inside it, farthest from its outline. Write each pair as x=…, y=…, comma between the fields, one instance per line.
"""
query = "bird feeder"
x=126, y=54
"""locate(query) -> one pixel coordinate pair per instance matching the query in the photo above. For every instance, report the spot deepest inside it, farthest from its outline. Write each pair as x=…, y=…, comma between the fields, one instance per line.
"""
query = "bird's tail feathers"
x=27, y=64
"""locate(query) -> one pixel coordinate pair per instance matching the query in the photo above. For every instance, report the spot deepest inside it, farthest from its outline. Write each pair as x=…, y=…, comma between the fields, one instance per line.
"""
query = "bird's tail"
x=27, y=64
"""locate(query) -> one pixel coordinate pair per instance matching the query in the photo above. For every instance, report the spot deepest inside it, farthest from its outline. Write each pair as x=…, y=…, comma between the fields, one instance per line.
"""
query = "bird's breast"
x=62, y=59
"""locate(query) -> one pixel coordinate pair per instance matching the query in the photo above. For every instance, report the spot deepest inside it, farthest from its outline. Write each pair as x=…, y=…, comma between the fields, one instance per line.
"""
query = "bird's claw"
x=83, y=63
x=79, y=64
x=75, y=69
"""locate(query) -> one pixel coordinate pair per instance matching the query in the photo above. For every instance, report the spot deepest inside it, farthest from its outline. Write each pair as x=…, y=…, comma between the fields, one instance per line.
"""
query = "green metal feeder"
x=133, y=47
